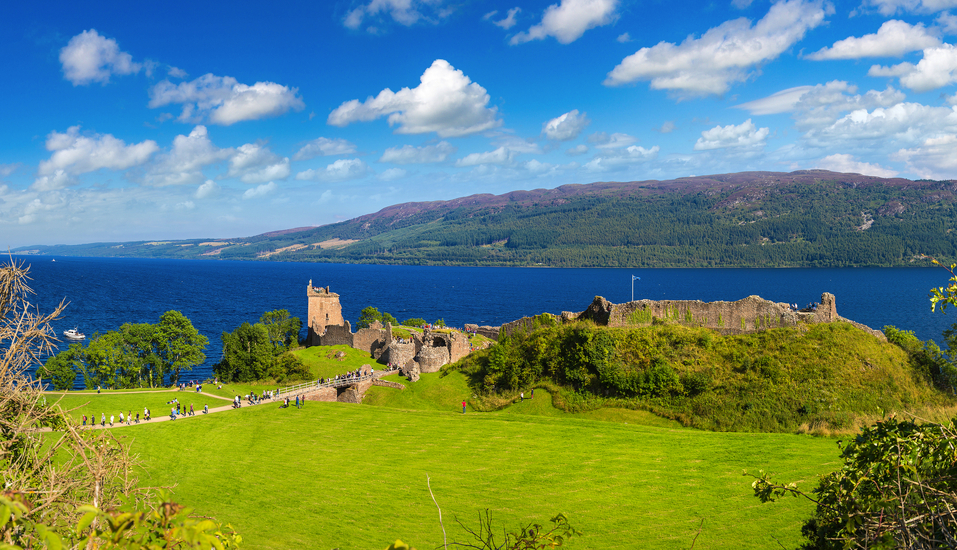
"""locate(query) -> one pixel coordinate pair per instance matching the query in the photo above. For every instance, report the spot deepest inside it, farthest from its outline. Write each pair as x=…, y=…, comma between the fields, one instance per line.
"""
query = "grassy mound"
x=823, y=378
x=323, y=363
x=335, y=475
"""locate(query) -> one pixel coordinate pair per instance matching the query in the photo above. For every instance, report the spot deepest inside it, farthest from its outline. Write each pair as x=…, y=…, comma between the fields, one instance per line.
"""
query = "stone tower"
x=324, y=311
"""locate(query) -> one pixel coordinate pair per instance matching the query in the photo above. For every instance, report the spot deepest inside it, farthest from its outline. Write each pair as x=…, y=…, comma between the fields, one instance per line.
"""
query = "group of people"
x=127, y=419
x=300, y=401
x=175, y=411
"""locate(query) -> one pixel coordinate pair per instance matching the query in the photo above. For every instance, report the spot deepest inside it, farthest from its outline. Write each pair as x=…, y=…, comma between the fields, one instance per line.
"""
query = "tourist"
x=84, y=420
x=129, y=417
x=463, y=406
x=297, y=401
x=137, y=418
x=121, y=418
x=103, y=420
x=172, y=413
x=146, y=413
x=191, y=413
x=533, y=393
x=522, y=395
x=111, y=420
x=205, y=409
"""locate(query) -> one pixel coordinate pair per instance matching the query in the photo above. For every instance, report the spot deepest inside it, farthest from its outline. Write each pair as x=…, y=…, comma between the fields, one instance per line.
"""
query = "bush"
x=414, y=322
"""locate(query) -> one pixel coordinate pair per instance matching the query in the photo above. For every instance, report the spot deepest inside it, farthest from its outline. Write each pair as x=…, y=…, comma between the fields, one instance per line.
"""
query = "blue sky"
x=193, y=119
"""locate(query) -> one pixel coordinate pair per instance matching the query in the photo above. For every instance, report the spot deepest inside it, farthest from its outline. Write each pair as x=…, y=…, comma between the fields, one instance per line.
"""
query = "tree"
x=247, y=354
x=439, y=323
x=414, y=322
x=368, y=316
x=283, y=330
x=180, y=344
x=61, y=369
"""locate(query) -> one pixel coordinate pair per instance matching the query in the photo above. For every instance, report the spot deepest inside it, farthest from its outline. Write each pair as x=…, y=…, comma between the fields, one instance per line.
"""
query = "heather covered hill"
x=754, y=219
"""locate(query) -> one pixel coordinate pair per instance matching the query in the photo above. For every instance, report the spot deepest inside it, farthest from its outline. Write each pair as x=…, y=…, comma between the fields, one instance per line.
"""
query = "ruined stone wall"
x=485, y=330
x=399, y=353
x=336, y=335
x=387, y=384
x=527, y=324
x=325, y=393
x=374, y=341
x=431, y=359
x=744, y=316
x=354, y=393
x=324, y=310
x=459, y=346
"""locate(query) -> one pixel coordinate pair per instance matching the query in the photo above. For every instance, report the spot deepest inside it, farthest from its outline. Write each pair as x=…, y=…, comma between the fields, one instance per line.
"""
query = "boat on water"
x=73, y=334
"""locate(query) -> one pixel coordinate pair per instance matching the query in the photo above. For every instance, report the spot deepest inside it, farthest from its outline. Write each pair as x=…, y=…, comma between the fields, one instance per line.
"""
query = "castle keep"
x=324, y=311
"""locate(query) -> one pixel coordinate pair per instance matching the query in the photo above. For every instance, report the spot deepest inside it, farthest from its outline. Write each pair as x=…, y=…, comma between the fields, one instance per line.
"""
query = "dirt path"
x=164, y=416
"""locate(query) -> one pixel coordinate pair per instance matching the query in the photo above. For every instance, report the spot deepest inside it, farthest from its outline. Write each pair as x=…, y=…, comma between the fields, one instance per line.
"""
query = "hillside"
x=822, y=378
x=752, y=219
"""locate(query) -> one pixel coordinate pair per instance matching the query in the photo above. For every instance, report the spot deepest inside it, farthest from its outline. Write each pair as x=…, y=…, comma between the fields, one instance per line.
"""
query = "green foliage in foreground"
x=897, y=488
x=824, y=376
x=356, y=476
x=134, y=525
x=370, y=315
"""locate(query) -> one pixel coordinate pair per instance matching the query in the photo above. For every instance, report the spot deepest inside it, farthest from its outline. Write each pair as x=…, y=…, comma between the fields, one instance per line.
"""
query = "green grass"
x=322, y=362
x=116, y=402
x=354, y=476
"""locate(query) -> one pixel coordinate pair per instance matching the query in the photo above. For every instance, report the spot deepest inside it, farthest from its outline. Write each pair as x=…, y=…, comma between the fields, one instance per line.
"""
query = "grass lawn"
x=116, y=402
x=346, y=476
x=322, y=362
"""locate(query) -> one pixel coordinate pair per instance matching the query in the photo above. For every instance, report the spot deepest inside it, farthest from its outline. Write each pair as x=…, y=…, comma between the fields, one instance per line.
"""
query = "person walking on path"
x=522, y=395
x=463, y=406
x=191, y=413
x=129, y=417
x=205, y=409
x=111, y=420
x=103, y=419
x=121, y=419
x=84, y=420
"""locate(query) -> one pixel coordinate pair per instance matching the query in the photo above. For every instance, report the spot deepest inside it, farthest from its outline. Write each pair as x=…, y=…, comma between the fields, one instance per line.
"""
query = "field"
x=354, y=476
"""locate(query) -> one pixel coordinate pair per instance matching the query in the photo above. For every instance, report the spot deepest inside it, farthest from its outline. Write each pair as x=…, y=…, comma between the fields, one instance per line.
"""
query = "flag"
x=634, y=278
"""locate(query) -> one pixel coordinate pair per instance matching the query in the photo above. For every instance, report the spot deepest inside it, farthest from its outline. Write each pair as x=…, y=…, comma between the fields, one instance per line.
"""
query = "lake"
x=218, y=296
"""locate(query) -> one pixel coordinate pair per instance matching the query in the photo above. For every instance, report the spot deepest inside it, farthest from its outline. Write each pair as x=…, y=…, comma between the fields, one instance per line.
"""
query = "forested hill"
x=753, y=219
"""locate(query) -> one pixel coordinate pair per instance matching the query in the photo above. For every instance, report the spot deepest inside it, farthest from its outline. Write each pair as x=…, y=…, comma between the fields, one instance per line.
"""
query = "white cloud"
x=408, y=154
x=602, y=140
x=207, y=189
x=620, y=159
x=903, y=123
x=947, y=22
x=847, y=164
x=260, y=191
x=624, y=38
x=667, y=127
x=821, y=105
x=185, y=205
x=723, y=55
x=392, y=174
x=225, y=101
x=89, y=57
x=325, y=147
x=937, y=69
x=403, y=12
x=741, y=4
x=517, y=144
x=565, y=127
x=893, y=39
x=501, y=156
x=50, y=182
x=779, y=102
x=255, y=163
x=7, y=169
x=340, y=170
x=184, y=163
x=75, y=154
x=446, y=102
x=743, y=136
x=934, y=158
x=509, y=21
x=569, y=20
x=890, y=7
x=176, y=72
x=579, y=149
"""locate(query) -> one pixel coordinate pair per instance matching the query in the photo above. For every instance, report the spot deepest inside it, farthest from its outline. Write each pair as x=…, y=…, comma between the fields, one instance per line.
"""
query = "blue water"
x=220, y=295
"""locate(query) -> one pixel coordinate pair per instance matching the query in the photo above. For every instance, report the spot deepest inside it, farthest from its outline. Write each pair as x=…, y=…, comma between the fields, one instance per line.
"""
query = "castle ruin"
x=426, y=352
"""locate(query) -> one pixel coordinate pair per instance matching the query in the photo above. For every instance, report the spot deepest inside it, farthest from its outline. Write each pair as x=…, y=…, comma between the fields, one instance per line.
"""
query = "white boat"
x=73, y=334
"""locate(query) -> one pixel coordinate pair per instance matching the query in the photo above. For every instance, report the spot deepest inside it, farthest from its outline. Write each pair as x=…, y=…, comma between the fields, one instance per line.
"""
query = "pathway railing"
x=330, y=383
